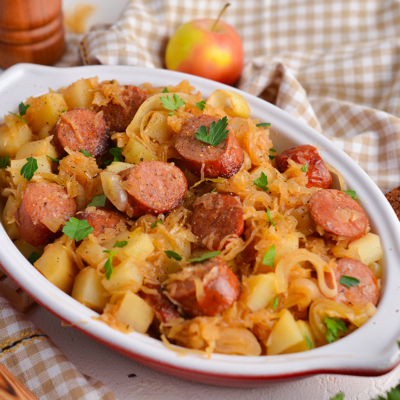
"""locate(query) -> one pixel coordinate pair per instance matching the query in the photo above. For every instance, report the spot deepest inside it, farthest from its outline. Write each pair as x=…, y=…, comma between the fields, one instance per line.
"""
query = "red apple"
x=208, y=48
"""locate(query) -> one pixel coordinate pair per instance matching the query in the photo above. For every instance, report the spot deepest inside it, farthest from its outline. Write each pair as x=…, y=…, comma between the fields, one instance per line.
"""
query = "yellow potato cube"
x=79, y=94
x=89, y=291
x=11, y=229
x=36, y=149
x=91, y=253
x=284, y=334
x=135, y=152
x=13, y=135
x=308, y=341
x=291, y=244
x=27, y=249
x=44, y=165
x=258, y=290
x=126, y=276
x=58, y=267
x=118, y=167
x=368, y=247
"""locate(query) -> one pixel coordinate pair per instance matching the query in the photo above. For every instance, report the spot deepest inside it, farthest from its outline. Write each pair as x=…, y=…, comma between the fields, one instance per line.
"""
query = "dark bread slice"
x=394, y=200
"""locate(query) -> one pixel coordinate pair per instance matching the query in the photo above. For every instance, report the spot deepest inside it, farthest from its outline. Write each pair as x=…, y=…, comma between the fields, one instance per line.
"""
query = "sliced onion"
x=238, y=105
x=338, y=182
x=113, y=190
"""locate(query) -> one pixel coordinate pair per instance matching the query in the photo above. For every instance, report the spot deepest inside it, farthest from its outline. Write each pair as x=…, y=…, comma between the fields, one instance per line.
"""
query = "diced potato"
x=156, y=127
x=258, y=290
x=11, y=229
x=13, y=135
x=368, y=247
x=376, y=269
x=44, y=132
x=27, y=249
x=91, y=253
x=117, y=167
x=44, y=165
x=45, y=110
x=58, y=267
x=134, y=312
x=126, y=276
x=89, y=291
x=135, y=152
x=308, y=341
x=285, y=334
x=79, y=94
x=291, y=244
x=36, y=149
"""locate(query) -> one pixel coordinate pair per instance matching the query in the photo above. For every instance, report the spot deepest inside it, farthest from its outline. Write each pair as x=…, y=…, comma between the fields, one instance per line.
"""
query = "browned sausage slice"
x=223, y=160
x=363, y=293
x=153, y=187
x=100, y=219
x=317, y=172
x=338, y=214
x=163, y=309
x=221, y=288
x=81, y=128
x=118, y=117
x=41, y=201
x=215, y=216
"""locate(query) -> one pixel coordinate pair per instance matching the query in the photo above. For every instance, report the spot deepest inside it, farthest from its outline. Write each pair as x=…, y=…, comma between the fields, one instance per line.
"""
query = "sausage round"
x=338, y=213
x=162, y=307
x=223, y=160
x=363, y=293
x=100, y=219
x=40, y=201
x=81, y=128
x=215, y=216
x=153, y=187
x=221, y=288
x=118, y=117
x=317, y=172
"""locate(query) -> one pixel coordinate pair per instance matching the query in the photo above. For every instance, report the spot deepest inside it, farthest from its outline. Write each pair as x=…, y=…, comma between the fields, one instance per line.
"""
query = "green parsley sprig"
x=269, y=257
x=201, y=104
x=349, y=281
x=29, y=169
x=154, y=224
x=4, y=162
x=172, y=254
x=263, y=125
x=77, y=229
x=85, y=153
x=108, y=266
x=351, y=193
x=33, y=258
x=304, y=168
x=98, y=201
x=334, y=325
x=270, y=219
x=172, y=104
x=120, y=243
x=205, y=256
x=262, y=182
x=216, y=134
x=56, y=160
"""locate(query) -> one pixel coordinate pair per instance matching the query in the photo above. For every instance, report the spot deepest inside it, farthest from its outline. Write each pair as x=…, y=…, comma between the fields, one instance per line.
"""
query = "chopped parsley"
x=22, y=108
x=339, y=396
x=205, y=256
x=165, y=90
x=262, y=182
x=98, y=201
x=269, y=257
x=304, y=167
x=271, y=156
x=116, y=152
x=172, y=104
x=270, y=219
x=77, y=229
x=217, y=132
x=349, y=281
x=154, y=224
x=19, y=117
x=29, y=169
x=56, y=160
x=309, y=342
x=33, y=258
x=275, y=303
x=172, y=254
x=85, y=153
x=121, y=243
x=201, y=104
x=263, y=125
x=4, y=162
x=351, y=193
x=333, y=325
x=108, y=267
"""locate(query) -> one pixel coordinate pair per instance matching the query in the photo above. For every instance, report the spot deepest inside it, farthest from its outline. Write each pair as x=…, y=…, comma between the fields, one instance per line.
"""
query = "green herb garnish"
x=165, y=90
x=22, y=108
x=349, y=281
x=116, y=152
x=333, y=325
x=85, y=153
x=33, y=258
x=339, y=396
x=19, y=117
x=351, y=193
x=154, y=224
x=121, y=243
x=217, y=132
x=108, y=267
x=201, y=104
x=309, y=342
x=56, y=160
x=262, y=182
x=4, y=162
x=263, y=125
x=270, y=219
x=205, y=256
x=170, y=104
x=304, y=167
x=172, y=254
x=275, y=303
x=98, y=201
x=77, y=229
x=269, y=257
x=29, y=169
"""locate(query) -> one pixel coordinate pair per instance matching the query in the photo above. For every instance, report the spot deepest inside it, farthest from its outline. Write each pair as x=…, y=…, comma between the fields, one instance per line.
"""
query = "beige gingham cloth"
x=31, y=356
x=333, y=64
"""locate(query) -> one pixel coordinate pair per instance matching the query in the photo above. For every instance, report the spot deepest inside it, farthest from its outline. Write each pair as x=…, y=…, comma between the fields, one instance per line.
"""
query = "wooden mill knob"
x=31, y=31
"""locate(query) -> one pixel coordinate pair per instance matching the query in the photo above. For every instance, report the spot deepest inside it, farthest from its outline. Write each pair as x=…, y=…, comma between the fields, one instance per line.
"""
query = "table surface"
x=128, y=379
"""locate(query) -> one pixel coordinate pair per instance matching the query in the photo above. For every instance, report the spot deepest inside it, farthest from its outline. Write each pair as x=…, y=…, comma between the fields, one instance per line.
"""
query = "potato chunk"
x=36, y=149
x=135, y=152
x=80, y=93
x=258, y=290
x=13, y=135
x=44, y=165
x=368, y=247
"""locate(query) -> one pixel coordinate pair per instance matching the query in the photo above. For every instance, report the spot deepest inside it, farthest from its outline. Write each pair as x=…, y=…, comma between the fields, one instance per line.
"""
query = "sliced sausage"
x=100, y=219
x=364, y=292
x=317, y=172
x=163, y=308
x=81, y=128
x=223, y=160
x=215, y=216
x=118, y=117
x=220, y=288
x=153, y=187
x=41, y=201
x=338, y=214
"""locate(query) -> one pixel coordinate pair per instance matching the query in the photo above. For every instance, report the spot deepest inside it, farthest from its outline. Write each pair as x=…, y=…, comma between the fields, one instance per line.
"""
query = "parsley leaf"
x=262, y=182
x=154, y=224
x=98, y=201
x=263, y=125
x=349, y=281
x=29, y=169
x=22, y=108
x=19, y=117
x=275, y=303
x=201, y=104
x=333, y=325
x=116, y=152
x=120, y=244
x=165, y=90
x=85, y=153
x=170, y=104
x=272, y=150
x=172, y=254
x=33, y=258
x=339, y=396
x=77, y=229
x=216, y=134
x=270, y=219
x=108, y=267
x=56, y=160
x=351, y=193
x=269, y=257
x=205, y=256
x=4, y=162
x=309, y=342
x=304, y=167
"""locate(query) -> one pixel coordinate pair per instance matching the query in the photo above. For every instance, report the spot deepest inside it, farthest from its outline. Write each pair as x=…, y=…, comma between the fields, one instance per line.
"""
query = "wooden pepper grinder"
x=31, y=31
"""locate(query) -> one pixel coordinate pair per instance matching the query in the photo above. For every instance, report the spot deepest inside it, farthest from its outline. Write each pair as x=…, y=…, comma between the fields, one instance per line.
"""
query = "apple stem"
x=219, y=16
